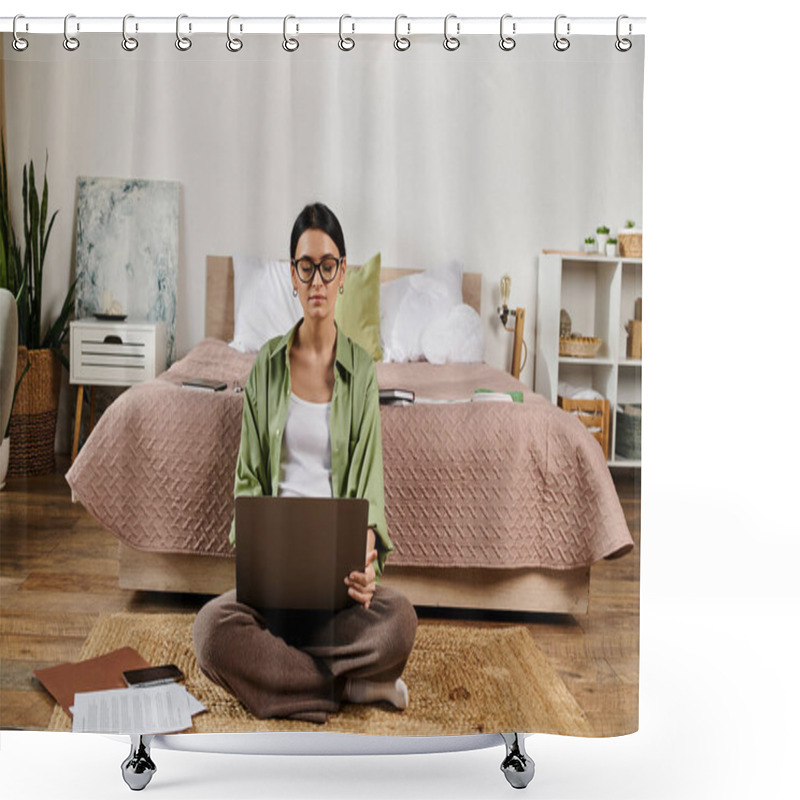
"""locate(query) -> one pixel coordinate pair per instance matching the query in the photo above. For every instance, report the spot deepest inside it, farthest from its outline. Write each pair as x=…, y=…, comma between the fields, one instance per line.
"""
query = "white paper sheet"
x=153, y=709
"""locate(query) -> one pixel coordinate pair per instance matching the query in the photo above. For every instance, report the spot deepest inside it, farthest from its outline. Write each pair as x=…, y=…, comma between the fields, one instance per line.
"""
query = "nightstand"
x=107, y=353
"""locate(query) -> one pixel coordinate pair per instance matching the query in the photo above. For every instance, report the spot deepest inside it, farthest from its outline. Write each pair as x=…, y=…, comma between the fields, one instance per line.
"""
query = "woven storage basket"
x=33, y=420
x=579, y=346
x=630, y=245
x=593, y=414
x=629, y=432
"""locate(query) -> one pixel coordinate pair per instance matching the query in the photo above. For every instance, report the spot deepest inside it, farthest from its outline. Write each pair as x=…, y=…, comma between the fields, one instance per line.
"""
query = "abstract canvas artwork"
x=127, y=248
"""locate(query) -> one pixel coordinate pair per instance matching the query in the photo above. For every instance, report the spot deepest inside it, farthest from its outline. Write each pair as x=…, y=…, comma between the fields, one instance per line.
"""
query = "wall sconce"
x=518, y=315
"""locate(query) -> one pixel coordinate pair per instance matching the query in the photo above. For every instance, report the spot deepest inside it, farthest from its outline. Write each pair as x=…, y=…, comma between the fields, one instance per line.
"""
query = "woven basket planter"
x=33, y=420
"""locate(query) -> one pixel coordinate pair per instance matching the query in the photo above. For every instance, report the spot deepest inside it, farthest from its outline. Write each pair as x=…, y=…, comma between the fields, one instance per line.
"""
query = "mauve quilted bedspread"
x=499, y=485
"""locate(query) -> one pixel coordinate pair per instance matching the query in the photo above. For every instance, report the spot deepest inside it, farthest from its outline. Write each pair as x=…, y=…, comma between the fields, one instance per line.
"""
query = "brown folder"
x=93, y=675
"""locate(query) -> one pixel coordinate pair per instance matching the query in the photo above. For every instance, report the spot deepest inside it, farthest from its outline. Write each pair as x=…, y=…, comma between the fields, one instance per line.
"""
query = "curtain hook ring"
x=346, y=42
x=289, y=44
x=19, y=44
x=233, y=44
x=71, y=43
x=451, y=42
x=401, y=42
x=507, y=42
x=129, y=43
x=183, y=43
x=623, y=44
x=561, y=43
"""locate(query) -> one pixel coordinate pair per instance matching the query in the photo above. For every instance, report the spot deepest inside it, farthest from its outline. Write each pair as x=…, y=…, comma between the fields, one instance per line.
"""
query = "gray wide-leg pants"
x=297, y=664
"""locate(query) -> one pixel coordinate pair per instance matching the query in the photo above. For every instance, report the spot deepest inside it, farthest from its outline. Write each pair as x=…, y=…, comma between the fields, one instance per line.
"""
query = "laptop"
x=293, y=553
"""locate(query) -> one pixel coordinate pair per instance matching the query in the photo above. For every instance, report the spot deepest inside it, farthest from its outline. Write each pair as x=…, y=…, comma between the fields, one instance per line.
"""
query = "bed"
x=518, y=494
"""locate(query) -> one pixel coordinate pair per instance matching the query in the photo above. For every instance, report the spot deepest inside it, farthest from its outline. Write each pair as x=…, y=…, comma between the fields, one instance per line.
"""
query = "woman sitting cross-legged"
x=311, y=428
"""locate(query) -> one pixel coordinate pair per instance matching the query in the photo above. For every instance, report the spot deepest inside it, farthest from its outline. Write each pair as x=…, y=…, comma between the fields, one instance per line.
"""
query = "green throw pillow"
x=358, y=309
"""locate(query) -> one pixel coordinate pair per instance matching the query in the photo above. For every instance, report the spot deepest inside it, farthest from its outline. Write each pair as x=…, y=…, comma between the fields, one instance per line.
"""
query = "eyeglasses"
x=328, y=268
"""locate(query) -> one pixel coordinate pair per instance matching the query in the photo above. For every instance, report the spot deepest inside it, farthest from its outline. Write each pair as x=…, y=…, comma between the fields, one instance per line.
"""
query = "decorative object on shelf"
x=579, y=346
x=611, y=247
x=629, y=431
x=630, y=241
x=32, y=428
x=634, y=330
x=589, y=245
x=602, y=237
x=518, y=315
x=127, y=251
x=566, y=324
x=595, y=416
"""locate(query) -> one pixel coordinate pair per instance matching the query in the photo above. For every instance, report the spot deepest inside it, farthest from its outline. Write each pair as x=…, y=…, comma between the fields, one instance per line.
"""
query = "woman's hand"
x=362, y=584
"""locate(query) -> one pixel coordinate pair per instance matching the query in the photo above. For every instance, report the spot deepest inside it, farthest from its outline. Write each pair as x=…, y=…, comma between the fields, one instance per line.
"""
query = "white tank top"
x=306, y=450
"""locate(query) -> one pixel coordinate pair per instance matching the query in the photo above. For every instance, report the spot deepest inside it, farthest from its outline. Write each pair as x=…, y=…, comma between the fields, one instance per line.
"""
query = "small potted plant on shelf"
x=611, y=247
x=602, y=238
x=589, y=245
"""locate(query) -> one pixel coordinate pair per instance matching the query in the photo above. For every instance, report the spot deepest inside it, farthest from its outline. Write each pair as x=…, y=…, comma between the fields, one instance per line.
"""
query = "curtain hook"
x=623, y=45
x=507, y=42
x=561, y=43
x=19, y=44
x=129, y=43
x=290, y=44
x=71, y=43
x=233, y=44
x=401, y=42
x=451, y=42
x=345, y=42
x=183, y=43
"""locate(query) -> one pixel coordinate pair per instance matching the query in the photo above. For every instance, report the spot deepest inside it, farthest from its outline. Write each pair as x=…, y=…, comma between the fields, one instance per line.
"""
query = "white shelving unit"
x=599, y=294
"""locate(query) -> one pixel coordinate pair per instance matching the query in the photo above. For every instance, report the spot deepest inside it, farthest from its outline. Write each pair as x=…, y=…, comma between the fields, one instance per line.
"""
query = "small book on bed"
x=396, y=397
x=204, y=385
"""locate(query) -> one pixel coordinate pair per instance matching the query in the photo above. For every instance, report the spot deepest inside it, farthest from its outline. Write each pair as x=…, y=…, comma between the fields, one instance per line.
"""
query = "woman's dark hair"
x=319, y=217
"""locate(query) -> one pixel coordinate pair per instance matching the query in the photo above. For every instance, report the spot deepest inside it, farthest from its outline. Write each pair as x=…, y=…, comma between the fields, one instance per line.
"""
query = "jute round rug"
x=461, y=680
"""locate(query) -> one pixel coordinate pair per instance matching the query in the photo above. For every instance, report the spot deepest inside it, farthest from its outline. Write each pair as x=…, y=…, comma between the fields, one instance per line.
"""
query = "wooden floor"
x=58, y=573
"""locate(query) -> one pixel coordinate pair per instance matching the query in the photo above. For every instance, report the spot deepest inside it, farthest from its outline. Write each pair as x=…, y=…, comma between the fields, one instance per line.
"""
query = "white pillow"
x=455, y=338
x=410, y=304
x=263, y=303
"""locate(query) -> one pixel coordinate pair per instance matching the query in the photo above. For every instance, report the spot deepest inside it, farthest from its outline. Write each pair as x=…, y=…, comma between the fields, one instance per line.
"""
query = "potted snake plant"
x=40, y=354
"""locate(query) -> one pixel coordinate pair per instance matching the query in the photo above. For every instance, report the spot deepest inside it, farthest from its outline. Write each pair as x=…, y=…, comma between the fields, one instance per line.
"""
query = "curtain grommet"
x=233, y=44
x=129, y=43
x=451, y=43
x=289, y=44
x=18, y=43
x=623, y=44
x=561, y=43
x=346, y=43
x=70, y=43
x=401, y=43
x=507, y=42
x=183, y=43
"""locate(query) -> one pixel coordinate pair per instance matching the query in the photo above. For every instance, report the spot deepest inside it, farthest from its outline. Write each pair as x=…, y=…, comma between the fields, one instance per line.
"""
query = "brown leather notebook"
x=92, y=675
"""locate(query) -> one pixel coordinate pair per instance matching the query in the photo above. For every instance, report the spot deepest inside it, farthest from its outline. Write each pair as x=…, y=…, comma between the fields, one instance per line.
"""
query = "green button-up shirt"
x=355, y=430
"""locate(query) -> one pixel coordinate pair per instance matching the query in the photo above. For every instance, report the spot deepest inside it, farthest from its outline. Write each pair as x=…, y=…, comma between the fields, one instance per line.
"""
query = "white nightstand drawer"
x=116, y=353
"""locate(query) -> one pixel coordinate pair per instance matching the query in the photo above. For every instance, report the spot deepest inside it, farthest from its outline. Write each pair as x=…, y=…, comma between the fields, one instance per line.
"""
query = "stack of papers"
x=149, y=709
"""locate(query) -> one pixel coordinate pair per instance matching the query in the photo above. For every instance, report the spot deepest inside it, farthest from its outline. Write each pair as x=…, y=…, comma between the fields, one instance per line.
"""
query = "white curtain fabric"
x=479, y=155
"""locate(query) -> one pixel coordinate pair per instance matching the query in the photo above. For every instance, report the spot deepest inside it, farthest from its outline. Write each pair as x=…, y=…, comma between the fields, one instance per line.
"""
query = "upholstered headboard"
x=219, y=293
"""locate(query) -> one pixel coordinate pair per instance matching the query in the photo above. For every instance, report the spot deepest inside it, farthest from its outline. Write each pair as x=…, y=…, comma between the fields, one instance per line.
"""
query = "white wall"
x=426, y=155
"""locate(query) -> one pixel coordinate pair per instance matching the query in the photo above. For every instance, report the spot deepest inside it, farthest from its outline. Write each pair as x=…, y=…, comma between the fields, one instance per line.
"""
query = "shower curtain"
x=478, y=156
